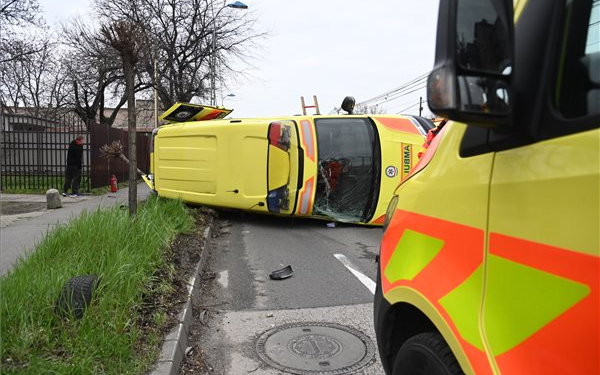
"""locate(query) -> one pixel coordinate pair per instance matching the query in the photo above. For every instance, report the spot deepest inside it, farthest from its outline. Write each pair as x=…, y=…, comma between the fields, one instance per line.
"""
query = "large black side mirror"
x=348, y=104
x=471, y=79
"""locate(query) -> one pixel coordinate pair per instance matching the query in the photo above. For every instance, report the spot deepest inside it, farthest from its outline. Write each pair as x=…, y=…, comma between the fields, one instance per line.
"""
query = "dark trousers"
x=72, y=179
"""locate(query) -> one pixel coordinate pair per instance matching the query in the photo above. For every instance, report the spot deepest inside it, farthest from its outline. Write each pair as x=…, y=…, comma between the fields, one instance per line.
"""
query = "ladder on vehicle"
x=315, y=105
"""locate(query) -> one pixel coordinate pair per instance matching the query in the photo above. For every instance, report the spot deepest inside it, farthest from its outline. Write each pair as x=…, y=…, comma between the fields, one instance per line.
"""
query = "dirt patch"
x=206, y=308
x=183, y=257
x=16, y=208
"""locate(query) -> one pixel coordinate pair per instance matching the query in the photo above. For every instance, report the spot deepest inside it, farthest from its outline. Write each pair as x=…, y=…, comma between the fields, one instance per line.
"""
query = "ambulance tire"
x=426, y=354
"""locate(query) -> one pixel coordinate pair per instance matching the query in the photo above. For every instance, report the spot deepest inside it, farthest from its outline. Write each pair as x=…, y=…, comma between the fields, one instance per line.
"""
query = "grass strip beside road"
x=130, y=254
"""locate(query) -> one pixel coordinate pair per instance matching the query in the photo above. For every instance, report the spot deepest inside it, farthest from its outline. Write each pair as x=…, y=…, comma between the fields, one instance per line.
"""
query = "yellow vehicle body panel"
x=451, y=189
x=562, y=173
x=279, y=167
x=454, y=188
x=399, y=150
x=206, y=163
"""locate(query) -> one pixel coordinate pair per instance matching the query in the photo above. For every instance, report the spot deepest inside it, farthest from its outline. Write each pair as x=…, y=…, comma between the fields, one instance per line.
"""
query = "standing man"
x=74, y=163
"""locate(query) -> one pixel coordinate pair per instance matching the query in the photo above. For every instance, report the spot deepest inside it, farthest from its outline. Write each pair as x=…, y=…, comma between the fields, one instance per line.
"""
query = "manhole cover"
x=315, y=348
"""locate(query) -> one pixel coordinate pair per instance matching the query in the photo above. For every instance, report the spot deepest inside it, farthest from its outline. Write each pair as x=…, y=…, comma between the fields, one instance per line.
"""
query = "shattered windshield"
x=348, y=169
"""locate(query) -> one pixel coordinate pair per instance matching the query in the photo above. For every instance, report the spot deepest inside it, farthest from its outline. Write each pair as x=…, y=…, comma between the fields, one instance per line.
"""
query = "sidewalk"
x=20, y=233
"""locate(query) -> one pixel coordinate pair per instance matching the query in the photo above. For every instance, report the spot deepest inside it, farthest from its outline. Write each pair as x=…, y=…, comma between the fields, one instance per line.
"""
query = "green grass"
x=36, y=184
x=41, y=184
x=130, y=255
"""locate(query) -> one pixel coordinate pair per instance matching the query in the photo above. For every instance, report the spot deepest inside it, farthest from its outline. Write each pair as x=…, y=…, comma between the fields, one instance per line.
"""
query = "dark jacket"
x=75, y=154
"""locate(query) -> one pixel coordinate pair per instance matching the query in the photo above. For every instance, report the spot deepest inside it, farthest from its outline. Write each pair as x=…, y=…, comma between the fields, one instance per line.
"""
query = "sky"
x=327, y=48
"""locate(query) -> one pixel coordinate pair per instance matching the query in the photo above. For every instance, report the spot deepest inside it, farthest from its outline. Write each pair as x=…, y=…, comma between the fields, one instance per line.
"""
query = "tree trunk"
x=131, y=134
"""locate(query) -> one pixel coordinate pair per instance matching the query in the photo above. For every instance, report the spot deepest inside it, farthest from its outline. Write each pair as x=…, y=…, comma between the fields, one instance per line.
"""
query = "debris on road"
x=281, y=274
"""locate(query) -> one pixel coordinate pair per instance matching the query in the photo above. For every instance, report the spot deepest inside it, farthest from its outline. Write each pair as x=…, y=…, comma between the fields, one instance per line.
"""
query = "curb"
x=173, y=350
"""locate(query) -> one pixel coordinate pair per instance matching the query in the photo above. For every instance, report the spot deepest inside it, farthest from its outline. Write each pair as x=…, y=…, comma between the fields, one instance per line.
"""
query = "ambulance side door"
x=541, y=306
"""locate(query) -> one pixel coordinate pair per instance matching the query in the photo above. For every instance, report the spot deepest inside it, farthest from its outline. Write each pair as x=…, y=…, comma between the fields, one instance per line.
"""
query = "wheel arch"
x=408, y=315
x=405, y=321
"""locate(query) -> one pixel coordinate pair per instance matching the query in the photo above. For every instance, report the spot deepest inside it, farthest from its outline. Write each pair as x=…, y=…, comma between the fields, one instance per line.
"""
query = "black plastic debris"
x=76, y=296
x=281, y=274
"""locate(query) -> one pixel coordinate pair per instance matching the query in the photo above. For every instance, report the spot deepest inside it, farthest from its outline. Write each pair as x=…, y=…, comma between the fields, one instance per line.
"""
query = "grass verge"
x=37, y=184
x=41, y=184
x=131, y=257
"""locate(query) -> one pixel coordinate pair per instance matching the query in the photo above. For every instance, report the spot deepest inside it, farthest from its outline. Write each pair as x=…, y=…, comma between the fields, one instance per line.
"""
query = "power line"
x=416, y=104
x=408, y=92
x=416, y=84
x=394, y=93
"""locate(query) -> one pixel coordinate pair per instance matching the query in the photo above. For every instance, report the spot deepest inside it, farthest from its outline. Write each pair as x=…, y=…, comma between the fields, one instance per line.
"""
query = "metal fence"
x=34, y=152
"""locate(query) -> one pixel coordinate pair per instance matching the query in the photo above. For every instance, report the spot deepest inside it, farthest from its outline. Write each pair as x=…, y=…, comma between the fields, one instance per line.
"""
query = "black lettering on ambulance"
x=407, y=164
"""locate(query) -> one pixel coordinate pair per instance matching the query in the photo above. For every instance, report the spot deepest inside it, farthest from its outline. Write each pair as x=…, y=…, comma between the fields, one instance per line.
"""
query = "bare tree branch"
x=182, y=34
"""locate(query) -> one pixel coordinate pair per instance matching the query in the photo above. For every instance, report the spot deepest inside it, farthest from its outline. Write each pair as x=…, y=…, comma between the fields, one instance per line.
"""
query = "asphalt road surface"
x=334, y=270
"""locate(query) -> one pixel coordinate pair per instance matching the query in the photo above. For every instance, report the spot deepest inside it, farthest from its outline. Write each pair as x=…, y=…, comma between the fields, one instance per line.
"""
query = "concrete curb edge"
x=175, y=343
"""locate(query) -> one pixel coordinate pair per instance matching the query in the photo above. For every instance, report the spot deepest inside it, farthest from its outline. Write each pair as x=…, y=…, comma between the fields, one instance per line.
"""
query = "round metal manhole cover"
x=315, y=348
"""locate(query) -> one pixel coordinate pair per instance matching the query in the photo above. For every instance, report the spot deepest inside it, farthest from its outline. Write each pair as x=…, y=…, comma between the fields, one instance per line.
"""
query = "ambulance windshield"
x=349, y=165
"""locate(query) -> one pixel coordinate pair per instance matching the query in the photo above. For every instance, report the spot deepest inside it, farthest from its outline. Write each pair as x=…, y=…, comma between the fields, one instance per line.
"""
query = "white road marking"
x=224, y=278
x=370, y=284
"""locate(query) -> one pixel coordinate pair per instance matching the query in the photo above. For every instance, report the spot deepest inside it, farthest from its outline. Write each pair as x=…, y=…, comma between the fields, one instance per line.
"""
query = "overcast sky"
x=327, y=48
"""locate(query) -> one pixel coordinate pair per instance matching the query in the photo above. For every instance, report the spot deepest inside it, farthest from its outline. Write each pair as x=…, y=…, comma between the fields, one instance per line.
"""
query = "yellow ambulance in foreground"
x=335, y=167
x=490, y=259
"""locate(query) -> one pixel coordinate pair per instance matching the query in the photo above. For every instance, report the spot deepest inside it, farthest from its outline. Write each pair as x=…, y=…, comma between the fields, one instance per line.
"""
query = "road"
x=333, y=282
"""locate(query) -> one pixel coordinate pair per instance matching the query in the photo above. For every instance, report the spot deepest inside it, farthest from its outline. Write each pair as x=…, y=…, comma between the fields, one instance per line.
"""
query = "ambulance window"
x=577, y=92
x=348, y=168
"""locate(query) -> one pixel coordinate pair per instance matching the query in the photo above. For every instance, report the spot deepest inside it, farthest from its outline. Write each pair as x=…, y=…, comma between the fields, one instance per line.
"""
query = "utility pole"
x=155, y=91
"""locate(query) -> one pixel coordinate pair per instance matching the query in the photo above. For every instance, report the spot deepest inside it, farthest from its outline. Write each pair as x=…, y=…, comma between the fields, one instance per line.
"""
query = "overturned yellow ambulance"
x=335, y=167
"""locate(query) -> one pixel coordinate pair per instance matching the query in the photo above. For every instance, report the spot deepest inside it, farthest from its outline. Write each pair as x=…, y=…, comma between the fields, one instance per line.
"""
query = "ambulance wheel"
x=426, y=354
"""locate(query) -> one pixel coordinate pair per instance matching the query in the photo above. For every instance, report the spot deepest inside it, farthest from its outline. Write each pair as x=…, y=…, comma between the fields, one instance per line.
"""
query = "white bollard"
x=53, y=199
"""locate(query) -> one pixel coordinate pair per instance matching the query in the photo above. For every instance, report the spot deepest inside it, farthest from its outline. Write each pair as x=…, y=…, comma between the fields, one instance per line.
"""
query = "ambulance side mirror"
x=471, y=78
x=348, y=104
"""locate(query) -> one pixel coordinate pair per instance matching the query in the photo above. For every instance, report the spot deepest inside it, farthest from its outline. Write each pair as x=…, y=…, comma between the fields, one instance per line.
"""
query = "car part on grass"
x=76, y=296
x=281, y=274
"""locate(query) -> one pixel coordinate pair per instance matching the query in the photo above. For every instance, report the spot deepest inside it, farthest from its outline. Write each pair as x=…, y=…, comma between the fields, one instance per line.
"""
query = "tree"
x=95, y=72
x=13, y=12
x=16, y=16
x=186, y=35
x=129, y=40
x=18, y=19
x=35, y=82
